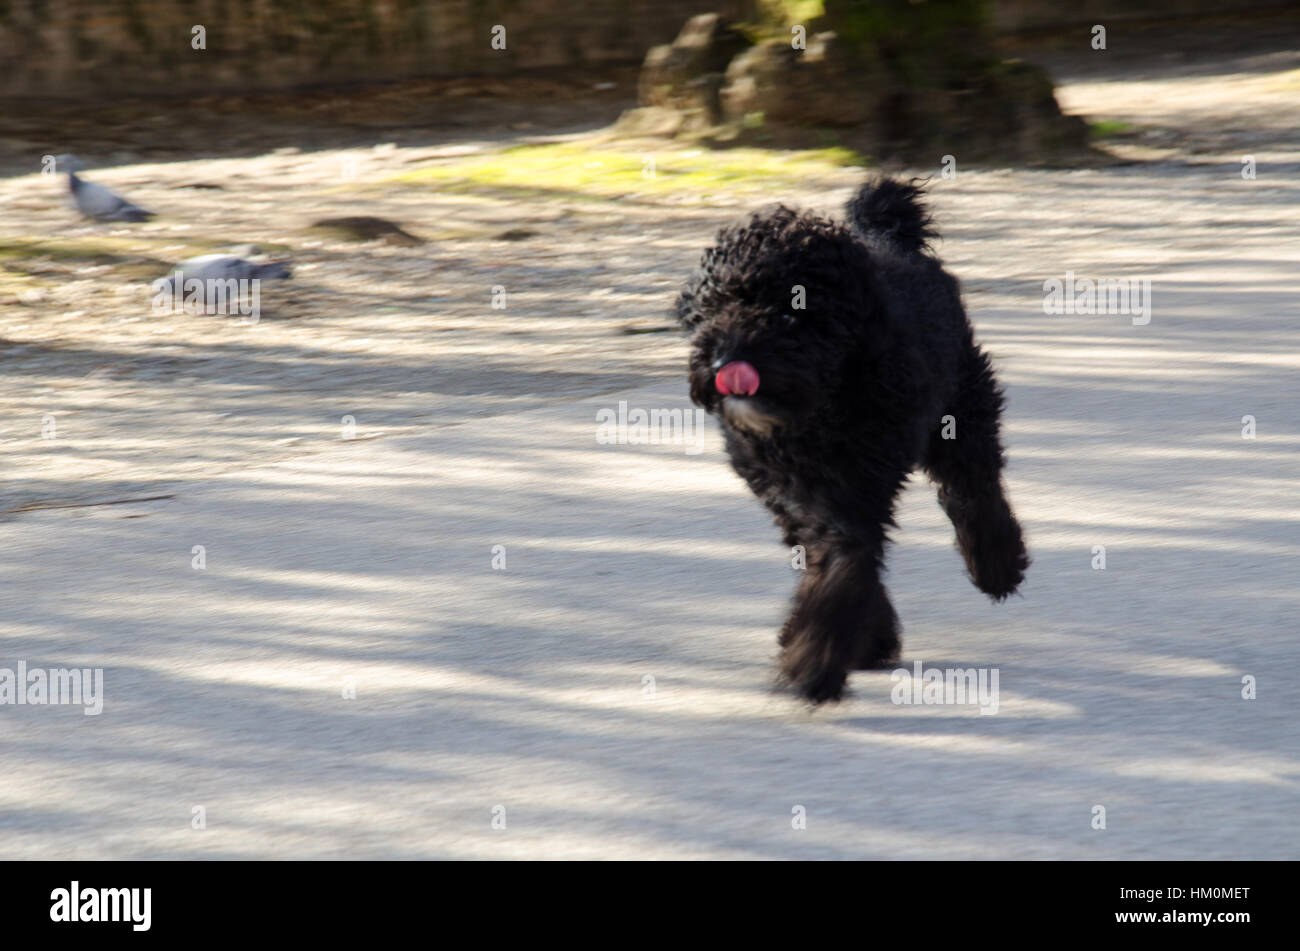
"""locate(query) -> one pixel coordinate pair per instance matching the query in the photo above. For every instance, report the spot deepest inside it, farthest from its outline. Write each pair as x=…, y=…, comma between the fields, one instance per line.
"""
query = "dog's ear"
x=692, y=301
x=733, y=264
x=687, y=306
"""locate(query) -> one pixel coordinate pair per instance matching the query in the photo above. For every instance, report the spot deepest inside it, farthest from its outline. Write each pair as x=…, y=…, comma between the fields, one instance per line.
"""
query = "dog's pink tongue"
x=738, y=378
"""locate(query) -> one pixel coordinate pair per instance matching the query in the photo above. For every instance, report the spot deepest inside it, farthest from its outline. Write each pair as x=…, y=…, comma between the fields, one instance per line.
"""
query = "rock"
x=823, y=85
x=650, y=121
x=915, y=81
x=1024, y=102
x=364, y=228
x=687, y=74
x=1007, y=112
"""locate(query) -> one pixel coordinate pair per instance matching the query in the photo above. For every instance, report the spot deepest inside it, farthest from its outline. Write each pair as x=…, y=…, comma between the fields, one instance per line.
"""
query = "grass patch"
x=106, y=251
x=585, y=172
x=1109, y=128
x=34, y=258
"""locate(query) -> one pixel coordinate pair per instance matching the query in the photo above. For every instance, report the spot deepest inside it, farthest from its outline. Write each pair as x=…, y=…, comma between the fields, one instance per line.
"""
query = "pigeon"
x=96, y=201
x=208, y=278
x=227, y=267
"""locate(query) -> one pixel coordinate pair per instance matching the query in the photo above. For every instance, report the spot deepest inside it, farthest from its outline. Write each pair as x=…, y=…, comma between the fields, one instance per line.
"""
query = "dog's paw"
x=999, y=574
x=990, y=541
x=826, y=686
x=875, y=657
x=880, y=644
x=815, y=679
x=995, y=555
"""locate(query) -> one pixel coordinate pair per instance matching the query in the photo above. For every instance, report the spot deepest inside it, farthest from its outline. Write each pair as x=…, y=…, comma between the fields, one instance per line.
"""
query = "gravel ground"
x=367, y=561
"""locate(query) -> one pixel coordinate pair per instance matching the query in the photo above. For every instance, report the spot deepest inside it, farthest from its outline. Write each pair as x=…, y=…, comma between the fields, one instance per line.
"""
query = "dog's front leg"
x=842, y=620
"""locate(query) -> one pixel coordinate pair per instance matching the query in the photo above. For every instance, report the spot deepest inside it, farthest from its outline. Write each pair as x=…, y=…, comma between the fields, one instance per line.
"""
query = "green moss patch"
x=1109, y=128
x=580, y=171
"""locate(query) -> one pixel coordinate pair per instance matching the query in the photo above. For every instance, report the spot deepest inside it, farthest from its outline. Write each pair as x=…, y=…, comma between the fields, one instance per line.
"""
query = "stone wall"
x=123, y=47
x=108, y=48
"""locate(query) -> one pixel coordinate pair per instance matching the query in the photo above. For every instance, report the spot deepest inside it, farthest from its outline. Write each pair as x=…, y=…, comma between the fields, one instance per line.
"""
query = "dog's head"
x=775, y=311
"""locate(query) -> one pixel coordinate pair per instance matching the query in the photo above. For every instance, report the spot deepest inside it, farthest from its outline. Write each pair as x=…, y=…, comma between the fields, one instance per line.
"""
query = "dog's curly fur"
x=828, y=408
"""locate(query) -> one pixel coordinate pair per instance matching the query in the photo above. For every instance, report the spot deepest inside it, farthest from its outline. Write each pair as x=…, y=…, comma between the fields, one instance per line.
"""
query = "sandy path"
x=368, y=562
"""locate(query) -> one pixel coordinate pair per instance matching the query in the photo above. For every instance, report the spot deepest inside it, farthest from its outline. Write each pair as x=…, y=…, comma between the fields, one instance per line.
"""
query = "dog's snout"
x=719, y=363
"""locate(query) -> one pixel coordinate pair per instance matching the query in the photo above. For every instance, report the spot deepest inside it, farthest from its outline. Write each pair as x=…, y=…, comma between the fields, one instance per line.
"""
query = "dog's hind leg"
x=842, y=620
x=964, y=457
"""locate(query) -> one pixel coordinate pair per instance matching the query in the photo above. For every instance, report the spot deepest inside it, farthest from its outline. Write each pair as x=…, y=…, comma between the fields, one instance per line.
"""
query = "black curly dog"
x=826, y=408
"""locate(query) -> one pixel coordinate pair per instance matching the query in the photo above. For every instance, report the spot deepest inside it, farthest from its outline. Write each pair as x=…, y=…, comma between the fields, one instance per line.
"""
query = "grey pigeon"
x=215, y=272
x=96, y=201
x=227, y=267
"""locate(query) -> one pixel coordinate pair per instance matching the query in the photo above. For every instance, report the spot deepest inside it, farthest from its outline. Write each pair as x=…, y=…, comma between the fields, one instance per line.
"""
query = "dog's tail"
x=892, y=212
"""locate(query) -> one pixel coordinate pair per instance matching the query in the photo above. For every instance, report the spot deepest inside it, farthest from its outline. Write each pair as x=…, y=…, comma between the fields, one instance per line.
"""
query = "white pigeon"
x=96, y=201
